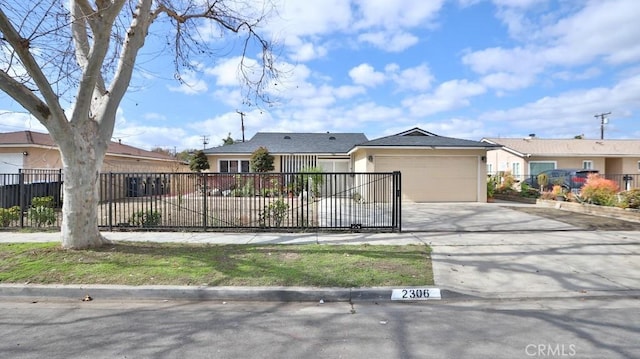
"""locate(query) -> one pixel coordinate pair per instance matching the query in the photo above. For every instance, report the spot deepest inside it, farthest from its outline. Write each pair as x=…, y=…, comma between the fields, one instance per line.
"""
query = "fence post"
x=397, y=200
x=22, y=194
x=204, y=200
x=110, y=200
x=60, y=189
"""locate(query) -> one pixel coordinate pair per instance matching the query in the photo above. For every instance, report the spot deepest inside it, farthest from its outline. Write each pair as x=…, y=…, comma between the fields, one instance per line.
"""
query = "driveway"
x=510, y=250
x=475, y=217
x=502, y=217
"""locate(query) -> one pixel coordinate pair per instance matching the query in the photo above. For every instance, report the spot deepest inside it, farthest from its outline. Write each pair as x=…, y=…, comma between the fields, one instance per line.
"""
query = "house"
x=434, y=168
x=34, y=150
x=531, y=155
x=292, y=152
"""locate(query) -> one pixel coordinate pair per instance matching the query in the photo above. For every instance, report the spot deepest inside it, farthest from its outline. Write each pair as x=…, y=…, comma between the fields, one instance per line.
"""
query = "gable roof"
x=417, y=137
x=37, y=139
x=532, y=146
x=294, y=143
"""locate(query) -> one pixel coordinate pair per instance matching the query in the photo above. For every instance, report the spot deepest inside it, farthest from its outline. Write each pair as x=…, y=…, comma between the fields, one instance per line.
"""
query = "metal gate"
x=251, y=201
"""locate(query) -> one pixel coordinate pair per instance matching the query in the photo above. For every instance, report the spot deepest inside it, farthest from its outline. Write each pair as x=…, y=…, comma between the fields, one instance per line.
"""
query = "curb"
x=273, y=294
x=193, y=293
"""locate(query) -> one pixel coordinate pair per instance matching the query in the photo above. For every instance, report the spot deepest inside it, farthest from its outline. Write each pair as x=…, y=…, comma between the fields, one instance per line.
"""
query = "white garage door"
x=10, y=163
x=434, y=178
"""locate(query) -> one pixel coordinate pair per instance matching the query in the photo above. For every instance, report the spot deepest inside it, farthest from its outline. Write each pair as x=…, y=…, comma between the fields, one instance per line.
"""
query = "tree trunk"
x=80, y=207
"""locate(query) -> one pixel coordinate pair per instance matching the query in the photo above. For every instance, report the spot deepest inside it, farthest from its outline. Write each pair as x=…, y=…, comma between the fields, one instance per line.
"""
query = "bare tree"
x=85, y=53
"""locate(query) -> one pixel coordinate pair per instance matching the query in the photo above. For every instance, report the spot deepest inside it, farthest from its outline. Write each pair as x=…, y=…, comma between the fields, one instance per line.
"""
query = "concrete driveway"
x=474, y=217
x=498, y=250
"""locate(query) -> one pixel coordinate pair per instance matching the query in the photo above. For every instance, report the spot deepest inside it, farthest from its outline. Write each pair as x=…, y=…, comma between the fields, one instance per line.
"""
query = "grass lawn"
x=137, y=263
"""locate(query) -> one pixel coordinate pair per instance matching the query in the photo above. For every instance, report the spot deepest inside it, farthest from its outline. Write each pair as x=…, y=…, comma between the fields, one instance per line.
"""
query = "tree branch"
x=90, y=57
x=20, y=45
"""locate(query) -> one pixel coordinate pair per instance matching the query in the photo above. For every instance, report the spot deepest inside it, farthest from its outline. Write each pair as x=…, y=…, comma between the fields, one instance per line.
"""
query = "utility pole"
x=205, y=141
x=603, y=121
x=241, y=122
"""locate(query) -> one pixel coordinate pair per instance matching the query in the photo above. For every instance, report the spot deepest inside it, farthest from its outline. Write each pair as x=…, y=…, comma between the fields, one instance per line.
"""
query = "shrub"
x=543, y=180
x=507, y=181
x=527, y=191
x=145, y=219
x=275, y=211
x=492, y=182
x=631, y=198
x=42, y=215
x=261, y=160
x=9, y=215
x=42, y=202
x=600, y=191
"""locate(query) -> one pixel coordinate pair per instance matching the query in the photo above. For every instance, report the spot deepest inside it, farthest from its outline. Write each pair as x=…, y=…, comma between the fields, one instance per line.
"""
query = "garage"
x=434, y=168
x=434, y=178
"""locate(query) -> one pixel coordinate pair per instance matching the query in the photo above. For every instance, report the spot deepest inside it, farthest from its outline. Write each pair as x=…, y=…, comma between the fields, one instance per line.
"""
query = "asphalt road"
x=568, y=328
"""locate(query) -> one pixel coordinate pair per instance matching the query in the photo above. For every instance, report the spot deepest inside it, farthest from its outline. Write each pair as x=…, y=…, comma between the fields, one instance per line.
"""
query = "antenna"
x=205, y=141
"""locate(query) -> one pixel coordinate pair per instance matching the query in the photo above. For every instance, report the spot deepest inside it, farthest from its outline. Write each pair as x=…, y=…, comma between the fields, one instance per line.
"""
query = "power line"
x=603, y=121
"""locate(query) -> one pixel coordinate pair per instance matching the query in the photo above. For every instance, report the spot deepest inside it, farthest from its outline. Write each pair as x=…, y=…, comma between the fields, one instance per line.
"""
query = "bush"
x=42, y=202
x=527, y=191
x=600, y=191
x=42, y=215
x=631, y=198
x=275, y=211
x=145, y=219
x=9, y=215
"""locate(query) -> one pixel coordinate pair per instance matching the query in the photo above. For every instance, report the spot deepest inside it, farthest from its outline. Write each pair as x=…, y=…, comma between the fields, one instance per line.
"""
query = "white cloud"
x=572, y=112
x=414, y=78
x=396, y=14
x=447, y=96
x=604, y=30
x=507, y=81
x=396, y=41
x=11, y=121
x=365, y=74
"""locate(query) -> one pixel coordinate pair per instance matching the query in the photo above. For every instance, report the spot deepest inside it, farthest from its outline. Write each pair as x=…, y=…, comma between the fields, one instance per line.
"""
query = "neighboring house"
x=34, y=150
x=525, y=157
x=434, y=168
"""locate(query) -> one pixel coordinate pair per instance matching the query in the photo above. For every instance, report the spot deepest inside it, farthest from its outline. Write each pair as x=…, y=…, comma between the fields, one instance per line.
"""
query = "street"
x=531, y=328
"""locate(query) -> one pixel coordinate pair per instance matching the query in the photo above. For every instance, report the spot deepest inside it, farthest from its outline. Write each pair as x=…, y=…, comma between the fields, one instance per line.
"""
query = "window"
x=587, y=165
x=515, y=169
x=536, y=167
x=490, y=168
x=234, y=166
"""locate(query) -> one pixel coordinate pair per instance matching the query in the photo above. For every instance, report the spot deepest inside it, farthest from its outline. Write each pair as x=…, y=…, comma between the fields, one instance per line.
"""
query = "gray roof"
x=417, y=137
x=294, y=143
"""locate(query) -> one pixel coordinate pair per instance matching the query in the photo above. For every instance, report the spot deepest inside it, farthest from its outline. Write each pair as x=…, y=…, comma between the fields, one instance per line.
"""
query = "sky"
x=459, y=68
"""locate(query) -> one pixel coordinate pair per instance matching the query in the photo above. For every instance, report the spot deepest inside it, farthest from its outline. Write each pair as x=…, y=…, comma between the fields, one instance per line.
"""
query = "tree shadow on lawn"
x=282, y=265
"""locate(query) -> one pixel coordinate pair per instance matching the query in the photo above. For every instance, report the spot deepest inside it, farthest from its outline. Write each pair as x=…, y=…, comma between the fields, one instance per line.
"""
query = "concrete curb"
x=192, y=293
x=269, y=294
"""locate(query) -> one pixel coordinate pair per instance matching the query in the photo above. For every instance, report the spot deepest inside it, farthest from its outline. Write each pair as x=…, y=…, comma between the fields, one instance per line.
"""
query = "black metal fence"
x=31, y=198
x=222, y=201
